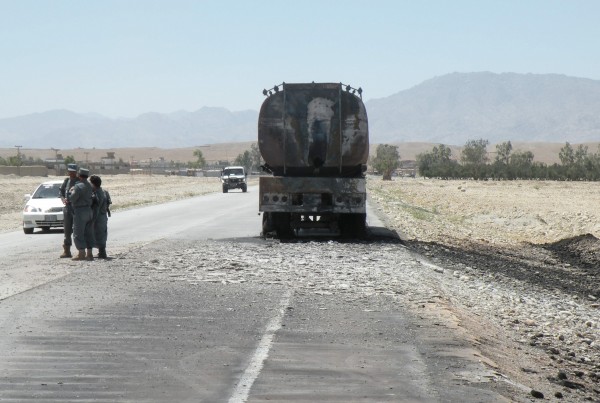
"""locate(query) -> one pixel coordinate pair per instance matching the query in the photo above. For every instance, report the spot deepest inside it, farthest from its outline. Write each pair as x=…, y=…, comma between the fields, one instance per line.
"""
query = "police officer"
x=65, y=188
x=100, y=206
x=81, y=200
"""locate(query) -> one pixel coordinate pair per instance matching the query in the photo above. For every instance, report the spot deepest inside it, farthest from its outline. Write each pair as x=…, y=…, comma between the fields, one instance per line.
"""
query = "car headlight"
x=31, y=209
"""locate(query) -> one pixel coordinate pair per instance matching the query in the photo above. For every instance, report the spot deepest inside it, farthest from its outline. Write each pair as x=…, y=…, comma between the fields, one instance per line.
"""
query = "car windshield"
x=47, y=191
x=235, y=171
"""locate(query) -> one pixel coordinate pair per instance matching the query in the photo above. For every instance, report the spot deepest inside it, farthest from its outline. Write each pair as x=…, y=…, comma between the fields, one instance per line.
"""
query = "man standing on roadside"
x=83, y=233
x=65, y=188
x=100, y=206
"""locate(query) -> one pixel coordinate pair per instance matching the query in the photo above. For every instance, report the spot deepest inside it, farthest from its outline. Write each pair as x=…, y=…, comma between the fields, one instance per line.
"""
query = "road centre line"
x=242, y=390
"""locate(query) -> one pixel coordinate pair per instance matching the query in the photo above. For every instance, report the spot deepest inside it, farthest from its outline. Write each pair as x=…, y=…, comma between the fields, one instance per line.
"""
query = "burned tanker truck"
x=314, y=139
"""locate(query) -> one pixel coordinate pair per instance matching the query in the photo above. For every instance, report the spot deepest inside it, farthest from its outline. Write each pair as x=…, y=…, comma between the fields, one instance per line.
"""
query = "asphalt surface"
x=91, y=331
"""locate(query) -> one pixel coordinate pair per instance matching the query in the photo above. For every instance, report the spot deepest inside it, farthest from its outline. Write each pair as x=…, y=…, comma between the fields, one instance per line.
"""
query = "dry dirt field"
x=489, y=212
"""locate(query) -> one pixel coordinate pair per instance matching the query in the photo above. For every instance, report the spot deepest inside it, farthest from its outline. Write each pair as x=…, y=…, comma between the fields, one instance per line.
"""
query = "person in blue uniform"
x=101, y=203
x=65, y=188
x=81, y=200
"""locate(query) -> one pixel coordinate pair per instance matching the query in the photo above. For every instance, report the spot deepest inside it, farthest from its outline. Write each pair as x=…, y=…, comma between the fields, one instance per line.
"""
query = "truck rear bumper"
x=312, y=195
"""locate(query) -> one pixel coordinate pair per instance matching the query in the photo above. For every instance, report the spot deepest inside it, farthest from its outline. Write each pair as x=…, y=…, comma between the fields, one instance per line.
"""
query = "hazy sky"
x=127, y=57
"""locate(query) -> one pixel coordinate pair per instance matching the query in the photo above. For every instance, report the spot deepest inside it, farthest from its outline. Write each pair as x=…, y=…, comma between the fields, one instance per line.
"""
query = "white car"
x=44, y=208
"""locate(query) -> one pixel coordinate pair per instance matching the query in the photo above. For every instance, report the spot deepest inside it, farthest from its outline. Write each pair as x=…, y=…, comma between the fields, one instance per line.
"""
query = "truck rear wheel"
x=267, y=223
x=353, y=226
x=281, y=223
x=225, y=189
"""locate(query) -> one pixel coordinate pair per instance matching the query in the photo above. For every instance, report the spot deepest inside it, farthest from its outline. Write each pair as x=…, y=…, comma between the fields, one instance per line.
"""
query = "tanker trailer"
x=314, y=139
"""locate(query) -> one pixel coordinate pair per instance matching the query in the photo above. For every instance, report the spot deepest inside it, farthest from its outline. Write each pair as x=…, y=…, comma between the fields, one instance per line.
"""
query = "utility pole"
x=18, y=159
x=56, y=150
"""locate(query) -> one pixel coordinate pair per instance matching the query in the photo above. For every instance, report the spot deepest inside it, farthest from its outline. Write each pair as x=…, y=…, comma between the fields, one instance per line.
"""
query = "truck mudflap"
x=314, y=195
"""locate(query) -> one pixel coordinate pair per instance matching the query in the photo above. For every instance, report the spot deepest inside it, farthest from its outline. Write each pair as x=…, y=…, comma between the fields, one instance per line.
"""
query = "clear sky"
x=127, y=57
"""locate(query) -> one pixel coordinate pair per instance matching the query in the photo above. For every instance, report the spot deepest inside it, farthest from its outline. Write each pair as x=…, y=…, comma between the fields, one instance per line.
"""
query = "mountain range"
x=449, y=109
x=457, y=107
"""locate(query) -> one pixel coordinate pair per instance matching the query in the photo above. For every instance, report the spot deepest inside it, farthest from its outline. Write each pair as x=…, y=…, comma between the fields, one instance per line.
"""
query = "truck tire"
x=225, y=189
x=244, y=188
x=353, y=226
x=28, y=230
x=281, y=223
x=267, y=223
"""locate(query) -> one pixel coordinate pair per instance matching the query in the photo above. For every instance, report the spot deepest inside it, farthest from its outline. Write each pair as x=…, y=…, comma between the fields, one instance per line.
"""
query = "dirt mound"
x=582, y=250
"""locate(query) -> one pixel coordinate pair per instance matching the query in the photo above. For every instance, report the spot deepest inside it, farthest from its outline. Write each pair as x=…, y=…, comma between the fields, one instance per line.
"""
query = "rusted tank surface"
x=314, y=129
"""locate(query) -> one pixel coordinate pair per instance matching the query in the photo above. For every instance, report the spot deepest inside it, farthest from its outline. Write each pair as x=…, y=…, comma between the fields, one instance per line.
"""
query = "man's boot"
x=66, y=251
x=89, y=255
x=102, y=253
x=80, y=254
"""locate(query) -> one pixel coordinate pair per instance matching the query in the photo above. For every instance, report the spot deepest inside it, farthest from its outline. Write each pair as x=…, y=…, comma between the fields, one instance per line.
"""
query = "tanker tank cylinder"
x=314, y=130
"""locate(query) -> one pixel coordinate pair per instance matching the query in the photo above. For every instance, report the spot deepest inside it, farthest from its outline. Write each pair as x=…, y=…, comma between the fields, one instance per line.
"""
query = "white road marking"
x=242, y=390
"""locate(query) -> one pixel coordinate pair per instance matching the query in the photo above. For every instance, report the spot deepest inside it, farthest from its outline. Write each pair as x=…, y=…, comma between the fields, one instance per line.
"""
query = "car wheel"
x=46, y=229
x=225, y=189
x=28, y=230
x=244, y=188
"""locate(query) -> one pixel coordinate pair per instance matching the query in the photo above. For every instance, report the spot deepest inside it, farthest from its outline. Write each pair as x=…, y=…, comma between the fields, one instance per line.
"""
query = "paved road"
x=92, y=331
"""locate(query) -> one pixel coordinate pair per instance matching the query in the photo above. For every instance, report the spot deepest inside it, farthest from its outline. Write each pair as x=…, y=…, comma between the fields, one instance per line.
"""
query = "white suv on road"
x=234, y=178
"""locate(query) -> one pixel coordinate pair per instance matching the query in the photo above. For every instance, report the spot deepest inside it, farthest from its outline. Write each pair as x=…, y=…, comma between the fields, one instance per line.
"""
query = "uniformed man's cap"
x=72, y=167
x=84, y=172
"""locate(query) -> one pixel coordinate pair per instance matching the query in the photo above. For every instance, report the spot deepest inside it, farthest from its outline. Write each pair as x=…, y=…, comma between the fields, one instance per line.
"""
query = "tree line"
x=23, y=160
x=472, y=163
x=576, y=164
x=250, y=159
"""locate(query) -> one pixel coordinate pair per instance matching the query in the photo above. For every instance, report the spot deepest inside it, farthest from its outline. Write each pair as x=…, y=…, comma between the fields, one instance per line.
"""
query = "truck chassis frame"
x=291, y=205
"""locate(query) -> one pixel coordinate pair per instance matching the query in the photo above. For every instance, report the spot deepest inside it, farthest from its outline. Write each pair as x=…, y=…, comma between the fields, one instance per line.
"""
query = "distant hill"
x=450, y=109
x=64, y=129
x=457, y=107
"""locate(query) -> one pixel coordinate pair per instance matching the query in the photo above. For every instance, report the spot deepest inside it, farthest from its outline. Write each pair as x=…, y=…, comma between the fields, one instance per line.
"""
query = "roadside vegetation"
x=386, y=160
x=577, y=164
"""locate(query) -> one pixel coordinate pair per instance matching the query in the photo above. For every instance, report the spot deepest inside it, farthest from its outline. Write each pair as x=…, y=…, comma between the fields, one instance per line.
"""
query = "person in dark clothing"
x=100, y=206
x=65, y=189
